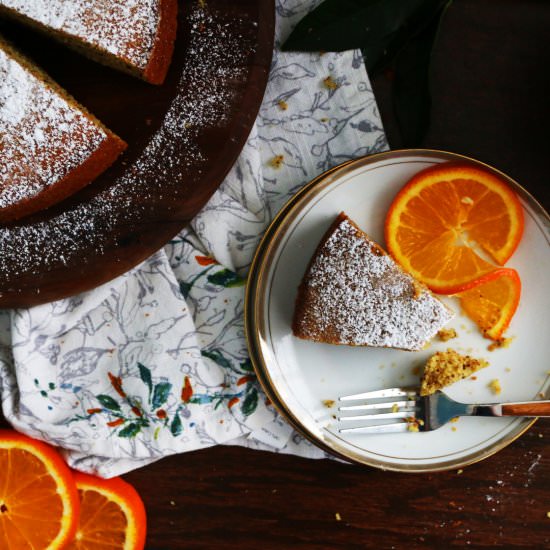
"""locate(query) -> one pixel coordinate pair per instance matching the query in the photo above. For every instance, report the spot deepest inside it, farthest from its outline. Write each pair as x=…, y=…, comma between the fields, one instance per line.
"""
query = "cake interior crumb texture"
x=447, y=367
x=354, y=293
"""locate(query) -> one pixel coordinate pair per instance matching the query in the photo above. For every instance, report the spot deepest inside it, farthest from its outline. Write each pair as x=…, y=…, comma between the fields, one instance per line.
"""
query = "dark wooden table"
x=491, y=95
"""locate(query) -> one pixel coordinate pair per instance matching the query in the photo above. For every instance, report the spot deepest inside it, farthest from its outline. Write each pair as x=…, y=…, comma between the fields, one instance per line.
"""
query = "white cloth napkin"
x=155, y=362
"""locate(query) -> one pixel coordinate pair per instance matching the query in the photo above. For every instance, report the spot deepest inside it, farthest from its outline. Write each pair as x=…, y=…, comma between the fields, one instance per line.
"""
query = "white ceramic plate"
x=300, y=375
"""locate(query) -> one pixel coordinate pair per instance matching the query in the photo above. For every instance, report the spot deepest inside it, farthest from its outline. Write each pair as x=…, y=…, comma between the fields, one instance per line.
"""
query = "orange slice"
x=112, y=515
x=446, y=218
x=493, y=302
x=38, y=497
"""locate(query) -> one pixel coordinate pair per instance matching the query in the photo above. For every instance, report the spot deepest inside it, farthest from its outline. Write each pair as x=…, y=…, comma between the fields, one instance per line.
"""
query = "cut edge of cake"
x=96, y=163
x=159, y=58
x=314, y=321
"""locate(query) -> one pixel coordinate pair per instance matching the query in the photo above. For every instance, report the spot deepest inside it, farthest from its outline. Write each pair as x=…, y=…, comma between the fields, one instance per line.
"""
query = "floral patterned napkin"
x=155, y=362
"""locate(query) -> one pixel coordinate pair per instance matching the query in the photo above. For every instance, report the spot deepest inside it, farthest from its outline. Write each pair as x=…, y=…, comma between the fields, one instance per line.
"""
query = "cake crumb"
x=453, y=428
x=417, y=370
x=394, y=408
x=330, y=83
x=283, y=105
x=328, y=403
x=447, y=367
x=495, y=387
x=338, y=516
x=277, y=161
x=548, y=514
x=446, y=334
x=172, y=503
x=467, y=200
x=501, y=343
x=458, y=472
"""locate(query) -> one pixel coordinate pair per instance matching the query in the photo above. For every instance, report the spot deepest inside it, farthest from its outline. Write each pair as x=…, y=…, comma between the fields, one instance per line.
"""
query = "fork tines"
x=379, y=406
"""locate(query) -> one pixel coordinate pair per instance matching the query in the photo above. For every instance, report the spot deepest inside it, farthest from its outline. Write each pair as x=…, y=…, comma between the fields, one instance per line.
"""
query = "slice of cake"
x=354, y=293
x=136, y=36
x=50, y=146
x=447, y=367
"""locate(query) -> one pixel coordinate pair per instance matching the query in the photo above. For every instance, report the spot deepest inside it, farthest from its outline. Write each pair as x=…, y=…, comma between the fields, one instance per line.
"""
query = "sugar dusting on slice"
x=354, y=293
x=42, y=137
x=124, y=28
x=171, y=162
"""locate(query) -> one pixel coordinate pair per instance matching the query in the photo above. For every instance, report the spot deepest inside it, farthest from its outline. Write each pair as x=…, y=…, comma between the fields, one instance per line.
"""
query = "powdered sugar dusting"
x=123, y=28
x=42, y=137
x=169, y=166
x=356, y=293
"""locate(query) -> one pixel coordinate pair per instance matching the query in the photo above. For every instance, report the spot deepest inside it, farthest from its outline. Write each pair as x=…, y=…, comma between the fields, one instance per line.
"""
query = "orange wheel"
x=112, y=515
x=38, y=498
x=449, y=222
x=492, y=303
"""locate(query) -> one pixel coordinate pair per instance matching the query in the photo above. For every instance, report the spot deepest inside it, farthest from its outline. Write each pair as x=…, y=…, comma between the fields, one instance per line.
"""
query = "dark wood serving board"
x=183, y=137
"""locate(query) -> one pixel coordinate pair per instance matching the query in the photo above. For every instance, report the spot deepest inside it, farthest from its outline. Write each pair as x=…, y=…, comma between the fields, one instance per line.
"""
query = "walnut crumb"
x=277, y=161
x=328, y=403
x=446, y=334
x=501, y=343
x=330, y=83
x=283, y=105
x=495, y=387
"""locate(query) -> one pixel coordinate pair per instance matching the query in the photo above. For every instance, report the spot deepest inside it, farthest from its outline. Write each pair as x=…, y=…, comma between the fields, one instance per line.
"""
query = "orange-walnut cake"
x=50, y=146
x=354, y=293
x=136, y=36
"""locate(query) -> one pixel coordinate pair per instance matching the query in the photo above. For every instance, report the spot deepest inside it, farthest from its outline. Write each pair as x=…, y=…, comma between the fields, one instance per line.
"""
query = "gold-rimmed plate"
x=302, y=377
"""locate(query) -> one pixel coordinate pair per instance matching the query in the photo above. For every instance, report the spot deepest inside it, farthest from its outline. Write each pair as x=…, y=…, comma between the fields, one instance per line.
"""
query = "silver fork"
x=407, y=410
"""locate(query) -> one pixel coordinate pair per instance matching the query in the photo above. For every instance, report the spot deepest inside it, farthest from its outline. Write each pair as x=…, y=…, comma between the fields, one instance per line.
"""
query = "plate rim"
x=252, y=308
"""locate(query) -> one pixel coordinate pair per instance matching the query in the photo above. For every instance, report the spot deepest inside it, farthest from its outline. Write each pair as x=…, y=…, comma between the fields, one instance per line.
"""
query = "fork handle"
x=531, y=408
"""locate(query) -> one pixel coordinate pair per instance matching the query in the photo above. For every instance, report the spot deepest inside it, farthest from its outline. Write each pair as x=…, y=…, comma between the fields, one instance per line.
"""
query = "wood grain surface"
x=491, y=92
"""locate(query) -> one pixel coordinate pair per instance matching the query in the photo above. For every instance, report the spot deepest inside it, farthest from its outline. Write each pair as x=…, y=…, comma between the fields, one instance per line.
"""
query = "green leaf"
x=176, y=427
x=145, y=375
x=160, y=394
x=131, y=430
x=185, y=288
x=217, y=356
x=226, y=278
x=411, y=87
x=108, y=402
x=380, y=55
x=247, y=366
x=250, y=403
x=338, y=25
